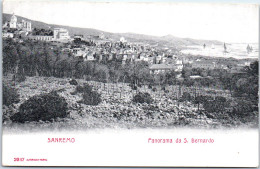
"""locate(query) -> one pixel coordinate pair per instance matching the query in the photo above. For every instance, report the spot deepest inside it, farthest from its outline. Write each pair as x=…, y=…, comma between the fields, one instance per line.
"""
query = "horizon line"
x=133, y=32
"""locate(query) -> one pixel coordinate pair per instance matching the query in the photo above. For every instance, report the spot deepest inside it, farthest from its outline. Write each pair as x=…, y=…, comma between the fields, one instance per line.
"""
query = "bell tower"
x=13, y=22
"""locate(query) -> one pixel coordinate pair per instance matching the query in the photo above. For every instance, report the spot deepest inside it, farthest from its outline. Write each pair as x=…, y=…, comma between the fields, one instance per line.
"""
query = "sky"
x=211, y=21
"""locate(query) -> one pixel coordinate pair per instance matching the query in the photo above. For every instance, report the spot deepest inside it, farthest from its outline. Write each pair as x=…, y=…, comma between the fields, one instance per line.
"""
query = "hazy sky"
x=224, y=22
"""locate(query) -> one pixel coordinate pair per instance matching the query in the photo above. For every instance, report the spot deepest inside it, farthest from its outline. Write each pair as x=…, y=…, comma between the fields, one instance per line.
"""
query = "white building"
x=179, y=65
x=60, y=34
x=102, y=36
x=8, y=35
x=13, y=22
x=161, y=68
x=78, y=52
x=41, y=38
x=24, y=25
x=89, y=56
x=123, y=40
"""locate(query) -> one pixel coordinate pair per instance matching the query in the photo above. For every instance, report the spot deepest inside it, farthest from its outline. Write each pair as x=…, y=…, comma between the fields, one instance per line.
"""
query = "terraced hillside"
x=117, y=108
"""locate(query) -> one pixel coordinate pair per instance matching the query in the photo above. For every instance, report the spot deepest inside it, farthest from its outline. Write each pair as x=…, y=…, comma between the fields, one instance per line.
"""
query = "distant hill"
x=189, y=41
x=164, y=41
x=72, y=30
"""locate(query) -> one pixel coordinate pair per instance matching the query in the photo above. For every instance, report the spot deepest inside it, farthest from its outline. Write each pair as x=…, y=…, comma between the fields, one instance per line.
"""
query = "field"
x=117, y=110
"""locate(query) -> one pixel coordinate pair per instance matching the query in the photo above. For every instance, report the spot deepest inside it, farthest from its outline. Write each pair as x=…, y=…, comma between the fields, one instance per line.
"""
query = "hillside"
x=168, y=40
x=189, y=41
x=120, y=111
x=72, y=30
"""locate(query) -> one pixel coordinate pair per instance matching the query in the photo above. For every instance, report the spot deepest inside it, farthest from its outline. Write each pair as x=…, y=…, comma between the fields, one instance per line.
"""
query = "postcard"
x=130, y=84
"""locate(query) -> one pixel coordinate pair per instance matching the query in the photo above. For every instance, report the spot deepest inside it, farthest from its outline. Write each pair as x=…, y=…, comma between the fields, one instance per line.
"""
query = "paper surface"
x=130, y=84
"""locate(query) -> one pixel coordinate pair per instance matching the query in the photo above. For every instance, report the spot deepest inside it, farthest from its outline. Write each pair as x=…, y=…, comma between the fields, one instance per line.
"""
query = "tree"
x=89, y=96
x=199, y=100
x=186, y=97
x=217, y=105
x=144, y=75
x=101, y=73
x=170, y=77
x=253, y=69
x=10, y=95
x=143, y=98
x=186, y=73
x=42, y=107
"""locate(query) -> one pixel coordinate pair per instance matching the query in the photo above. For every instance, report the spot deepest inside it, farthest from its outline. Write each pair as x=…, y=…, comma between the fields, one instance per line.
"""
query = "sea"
x=234, y=50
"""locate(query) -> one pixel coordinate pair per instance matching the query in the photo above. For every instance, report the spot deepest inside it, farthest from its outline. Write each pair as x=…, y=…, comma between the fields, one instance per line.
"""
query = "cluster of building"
x=103, y=49
x=13, y=28
x=59, y=34
x=14, y=24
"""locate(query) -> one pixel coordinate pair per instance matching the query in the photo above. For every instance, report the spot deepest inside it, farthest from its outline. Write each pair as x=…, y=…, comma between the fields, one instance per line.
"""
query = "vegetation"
x=86, y=88
x=20, y=77
x=143, y=98
x=36, y=58
x=73, y=82
x=186, y=97
x=42, y=32
x=43, y=107
x=90, y=97
x=118, y=108
x=10, y=95
x=31, y=59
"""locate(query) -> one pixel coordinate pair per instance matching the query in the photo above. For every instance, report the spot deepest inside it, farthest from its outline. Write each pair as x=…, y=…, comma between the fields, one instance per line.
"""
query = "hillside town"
x=129, y=83
x=101, y=48
x=81, y=79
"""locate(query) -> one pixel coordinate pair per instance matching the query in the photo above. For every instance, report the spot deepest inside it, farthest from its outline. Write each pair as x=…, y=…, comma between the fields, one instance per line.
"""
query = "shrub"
x=150, y=86
x=63, y=82
x=143, y=98
x=133, y=86
x=139, y=85
x=90, y=97
x=86, y=88
x=217, y=105
x=42, y=107
x=154, y=89
x=83, y=89
x=10, y=95
x=19, y=78
x=73, y=82
x=186, y=97
x=7, y=111
x=244, y=108
x=202, y=100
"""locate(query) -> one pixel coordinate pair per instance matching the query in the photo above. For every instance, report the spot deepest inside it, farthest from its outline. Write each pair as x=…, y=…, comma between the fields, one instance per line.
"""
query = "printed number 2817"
x=18, y=159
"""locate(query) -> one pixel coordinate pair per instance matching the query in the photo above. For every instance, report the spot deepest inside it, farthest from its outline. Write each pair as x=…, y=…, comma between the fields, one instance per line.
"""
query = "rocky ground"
x=116, y=109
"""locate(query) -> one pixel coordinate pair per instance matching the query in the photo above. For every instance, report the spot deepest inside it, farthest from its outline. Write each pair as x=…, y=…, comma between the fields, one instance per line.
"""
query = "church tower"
x=13, y=22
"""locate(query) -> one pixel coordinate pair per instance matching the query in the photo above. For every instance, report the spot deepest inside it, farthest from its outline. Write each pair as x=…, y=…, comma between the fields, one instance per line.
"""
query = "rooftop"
x=162, y=66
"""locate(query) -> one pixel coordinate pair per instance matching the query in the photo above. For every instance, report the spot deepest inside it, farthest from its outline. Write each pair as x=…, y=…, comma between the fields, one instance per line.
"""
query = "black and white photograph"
x=89, y=83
